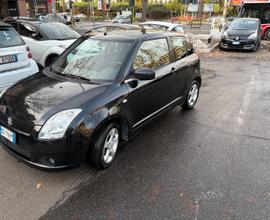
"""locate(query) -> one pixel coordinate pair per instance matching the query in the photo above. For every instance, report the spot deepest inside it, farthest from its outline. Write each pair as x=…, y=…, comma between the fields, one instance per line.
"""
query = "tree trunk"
x=63, y=6
x=144, y=9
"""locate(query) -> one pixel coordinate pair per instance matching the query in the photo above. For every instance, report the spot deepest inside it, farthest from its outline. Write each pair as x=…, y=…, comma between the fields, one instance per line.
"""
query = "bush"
x=117, y=7
x=158, y=11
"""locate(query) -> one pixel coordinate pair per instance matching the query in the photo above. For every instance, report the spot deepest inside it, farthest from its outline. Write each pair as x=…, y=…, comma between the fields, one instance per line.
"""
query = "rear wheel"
x=267, y=34
x=50, y=60
x=104, y=148
x=192, y=95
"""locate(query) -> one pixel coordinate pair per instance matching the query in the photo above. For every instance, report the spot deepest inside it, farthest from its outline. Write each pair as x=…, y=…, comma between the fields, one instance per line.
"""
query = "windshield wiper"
x=78, y=77
x=71, y=76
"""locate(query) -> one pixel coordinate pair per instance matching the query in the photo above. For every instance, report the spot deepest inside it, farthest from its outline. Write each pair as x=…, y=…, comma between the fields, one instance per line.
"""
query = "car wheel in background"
x=192, y=95
x=267, y=34
x=50, y=60
x=104, y=147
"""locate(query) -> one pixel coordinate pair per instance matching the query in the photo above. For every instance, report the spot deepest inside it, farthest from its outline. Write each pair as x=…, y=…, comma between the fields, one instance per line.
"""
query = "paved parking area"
x=209, y=163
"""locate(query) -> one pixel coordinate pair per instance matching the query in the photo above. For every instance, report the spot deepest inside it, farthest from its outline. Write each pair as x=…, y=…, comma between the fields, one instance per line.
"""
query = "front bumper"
x=50, y=155
x=240, y=45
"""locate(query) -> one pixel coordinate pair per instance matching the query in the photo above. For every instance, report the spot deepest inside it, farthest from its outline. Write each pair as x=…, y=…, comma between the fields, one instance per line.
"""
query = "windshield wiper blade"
x=79, y=77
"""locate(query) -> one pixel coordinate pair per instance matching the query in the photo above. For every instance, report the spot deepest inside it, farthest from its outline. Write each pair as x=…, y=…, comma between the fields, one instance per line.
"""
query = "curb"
x=207, y=50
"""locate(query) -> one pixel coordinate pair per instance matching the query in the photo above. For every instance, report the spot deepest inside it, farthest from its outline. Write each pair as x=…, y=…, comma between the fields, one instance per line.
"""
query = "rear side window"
x=152, y=54
x=179, y=47
x=28, y=30
x=178, y=29
x=9, y=37
x=266, y=16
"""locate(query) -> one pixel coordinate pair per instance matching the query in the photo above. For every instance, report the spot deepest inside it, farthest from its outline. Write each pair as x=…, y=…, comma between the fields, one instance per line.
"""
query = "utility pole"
x=53, y=7
x=63, y=6
x=226, y=4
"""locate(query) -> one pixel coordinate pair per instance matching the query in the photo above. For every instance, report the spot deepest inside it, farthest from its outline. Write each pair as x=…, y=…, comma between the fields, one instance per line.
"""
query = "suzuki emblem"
x=10, y=122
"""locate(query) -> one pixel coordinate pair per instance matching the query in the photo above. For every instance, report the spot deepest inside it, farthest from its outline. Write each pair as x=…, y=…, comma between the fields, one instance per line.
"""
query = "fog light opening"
x=52, y=161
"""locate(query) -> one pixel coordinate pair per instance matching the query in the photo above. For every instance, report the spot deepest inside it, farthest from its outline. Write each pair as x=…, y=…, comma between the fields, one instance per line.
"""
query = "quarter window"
x=179, y=47
x=152, y=54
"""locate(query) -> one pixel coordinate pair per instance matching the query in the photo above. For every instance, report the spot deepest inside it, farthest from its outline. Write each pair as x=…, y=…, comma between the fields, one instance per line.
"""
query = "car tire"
x=192, y=95
x=267, y=34
x=221, y=48
x=255, y=48
x=50, y=60
x=104, y=147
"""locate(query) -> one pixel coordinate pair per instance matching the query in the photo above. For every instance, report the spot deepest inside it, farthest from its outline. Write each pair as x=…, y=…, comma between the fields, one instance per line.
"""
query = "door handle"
x=173, y=69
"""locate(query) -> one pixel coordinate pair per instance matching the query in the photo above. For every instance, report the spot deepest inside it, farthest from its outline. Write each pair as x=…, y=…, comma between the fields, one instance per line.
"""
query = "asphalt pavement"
x=208, y=163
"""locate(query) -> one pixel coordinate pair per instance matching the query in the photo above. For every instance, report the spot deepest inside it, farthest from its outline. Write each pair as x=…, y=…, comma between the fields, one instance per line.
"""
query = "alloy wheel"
x=193, y=95
x=110, y=145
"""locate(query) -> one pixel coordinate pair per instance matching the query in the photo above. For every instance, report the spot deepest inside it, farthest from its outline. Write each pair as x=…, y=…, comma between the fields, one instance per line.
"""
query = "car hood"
x=40, y=96
x=240, y=33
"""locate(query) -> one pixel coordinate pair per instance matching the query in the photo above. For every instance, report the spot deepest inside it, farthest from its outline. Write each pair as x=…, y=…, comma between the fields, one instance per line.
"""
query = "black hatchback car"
x=97, y=93
x=243, y=33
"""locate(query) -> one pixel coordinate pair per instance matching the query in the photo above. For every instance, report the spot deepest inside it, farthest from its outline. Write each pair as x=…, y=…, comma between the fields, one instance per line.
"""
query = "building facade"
x=24, y=7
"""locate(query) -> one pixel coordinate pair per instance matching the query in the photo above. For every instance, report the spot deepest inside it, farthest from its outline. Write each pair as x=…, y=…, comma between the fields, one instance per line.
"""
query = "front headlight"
x=2, y=93
x=253, y=36
x=57, y=125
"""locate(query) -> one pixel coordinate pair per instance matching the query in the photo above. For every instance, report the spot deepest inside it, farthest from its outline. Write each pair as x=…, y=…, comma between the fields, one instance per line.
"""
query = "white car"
x=165, y=26
x=46, y=39
x=15, y=57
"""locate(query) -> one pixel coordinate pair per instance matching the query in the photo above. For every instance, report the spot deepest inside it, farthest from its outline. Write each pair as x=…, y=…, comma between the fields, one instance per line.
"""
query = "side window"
x=28, y=30
x=152, y=54
x=178, y=29
x=266, y=16
x=179, y=47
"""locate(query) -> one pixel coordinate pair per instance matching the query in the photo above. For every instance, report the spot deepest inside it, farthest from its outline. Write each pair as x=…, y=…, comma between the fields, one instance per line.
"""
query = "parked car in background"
x=243, y=33
x=113, y=27
x=260, y=10
x=16, y=60
x=46, y=39
x=51, y=17
x=80, y=16
x=122, y=19
x=6, y=19
x=100, y=91
x=66, y=16
x=164, y=26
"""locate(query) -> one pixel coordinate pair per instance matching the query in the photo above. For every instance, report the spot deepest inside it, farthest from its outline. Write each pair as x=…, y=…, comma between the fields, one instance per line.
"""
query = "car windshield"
x=9, y=37
x=58, y=31
x=92, y=59
x=244, y=25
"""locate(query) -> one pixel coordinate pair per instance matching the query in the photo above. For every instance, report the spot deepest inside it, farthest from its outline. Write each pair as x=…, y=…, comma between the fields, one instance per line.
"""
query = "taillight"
x=29, y=53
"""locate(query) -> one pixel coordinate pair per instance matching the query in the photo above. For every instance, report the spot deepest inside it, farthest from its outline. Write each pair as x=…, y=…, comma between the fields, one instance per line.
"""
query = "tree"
x=144, y=8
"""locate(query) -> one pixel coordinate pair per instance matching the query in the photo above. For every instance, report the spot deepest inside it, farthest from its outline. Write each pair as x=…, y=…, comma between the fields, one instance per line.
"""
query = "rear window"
x=58, y=31
x=9, y=37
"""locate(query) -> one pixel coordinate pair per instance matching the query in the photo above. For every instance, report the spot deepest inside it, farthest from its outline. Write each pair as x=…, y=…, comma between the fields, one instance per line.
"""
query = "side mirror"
x=144, y=74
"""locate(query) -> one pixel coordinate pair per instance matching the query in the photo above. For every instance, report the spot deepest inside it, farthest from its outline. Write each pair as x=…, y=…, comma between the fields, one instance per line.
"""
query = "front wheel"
x=192, y=95
x=105, y=145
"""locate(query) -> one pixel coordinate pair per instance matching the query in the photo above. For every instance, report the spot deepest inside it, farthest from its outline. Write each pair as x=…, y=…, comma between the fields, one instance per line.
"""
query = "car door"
x=149, y=97
x=33, y=39
x=184, y=63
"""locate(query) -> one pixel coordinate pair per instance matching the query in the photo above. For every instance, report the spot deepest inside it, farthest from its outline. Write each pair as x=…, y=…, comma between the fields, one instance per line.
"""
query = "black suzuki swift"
x=97, y=93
